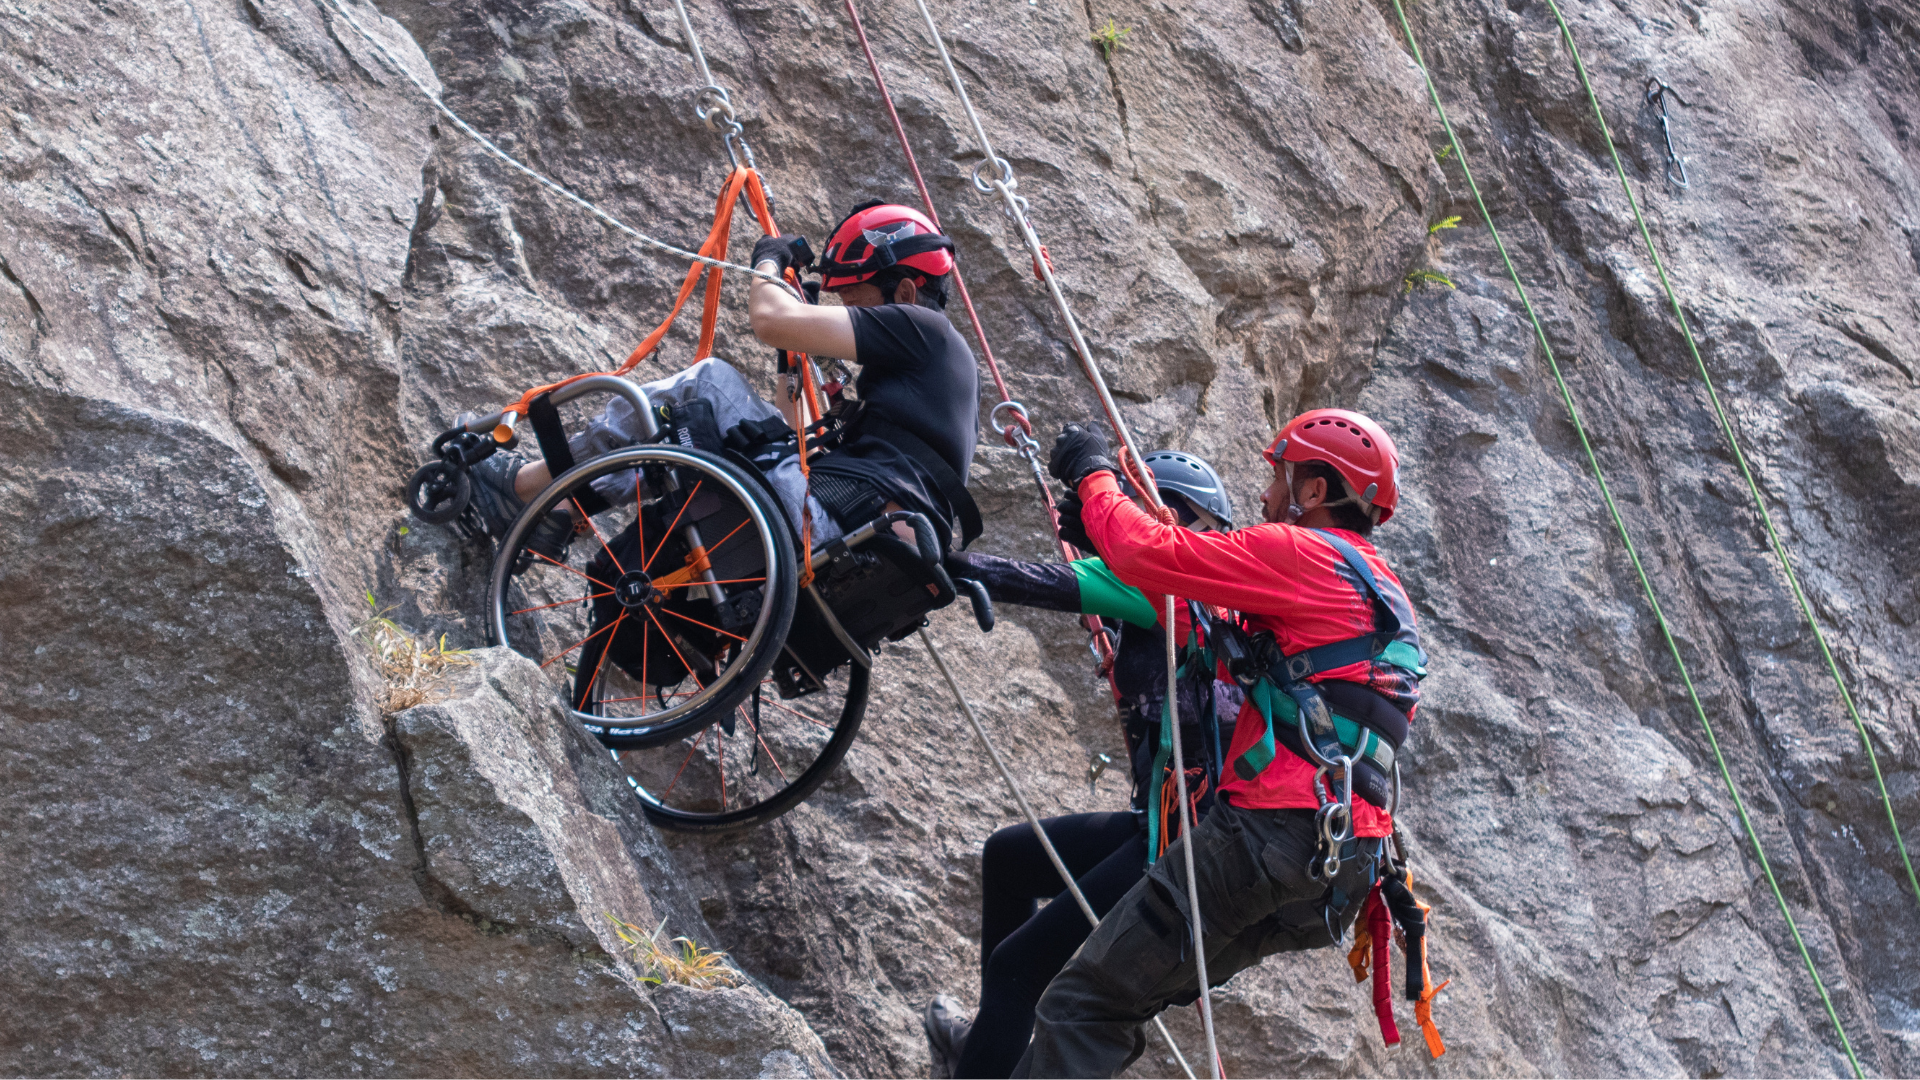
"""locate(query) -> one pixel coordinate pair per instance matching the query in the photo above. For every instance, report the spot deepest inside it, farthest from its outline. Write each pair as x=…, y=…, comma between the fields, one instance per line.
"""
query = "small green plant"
x=416, y=673
x=688, y=964
x=1111, y=38
x=1444, y=223
x=1417, y=278
x=1443, y=153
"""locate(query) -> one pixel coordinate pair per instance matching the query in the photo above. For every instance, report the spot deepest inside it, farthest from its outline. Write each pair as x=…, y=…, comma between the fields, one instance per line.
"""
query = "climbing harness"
x=1633, y=554
x=1033, y=819
x=1002, y=181
x=1657, y=93
x=1740, y=457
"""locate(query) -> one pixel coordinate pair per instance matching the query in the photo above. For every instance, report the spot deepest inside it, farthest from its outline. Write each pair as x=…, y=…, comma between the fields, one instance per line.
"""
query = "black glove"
x=1072, y=529
x=1078, y=453
x=784, y=251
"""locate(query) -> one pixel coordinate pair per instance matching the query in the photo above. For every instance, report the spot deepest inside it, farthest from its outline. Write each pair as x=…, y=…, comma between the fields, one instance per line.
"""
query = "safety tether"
x=1626, y=538
x=537, y=177
x=1733, y=441
x=1015, y=207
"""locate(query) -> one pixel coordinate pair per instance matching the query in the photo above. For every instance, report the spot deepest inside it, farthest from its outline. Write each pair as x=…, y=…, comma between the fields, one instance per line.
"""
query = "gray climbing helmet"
x=1191, y=478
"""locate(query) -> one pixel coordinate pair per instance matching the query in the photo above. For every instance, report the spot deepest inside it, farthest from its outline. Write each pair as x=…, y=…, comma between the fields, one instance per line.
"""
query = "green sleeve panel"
x=1101, y=593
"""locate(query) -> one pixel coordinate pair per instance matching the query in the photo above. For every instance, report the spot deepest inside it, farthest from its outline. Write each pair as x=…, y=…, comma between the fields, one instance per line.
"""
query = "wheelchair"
x=675, y=627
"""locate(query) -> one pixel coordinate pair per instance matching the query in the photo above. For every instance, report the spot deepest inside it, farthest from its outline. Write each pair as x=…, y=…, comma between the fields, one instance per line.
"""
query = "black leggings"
x=1021, y=950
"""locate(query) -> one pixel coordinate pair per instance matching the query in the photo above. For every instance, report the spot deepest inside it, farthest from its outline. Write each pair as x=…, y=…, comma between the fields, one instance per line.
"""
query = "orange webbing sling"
x=739, y=181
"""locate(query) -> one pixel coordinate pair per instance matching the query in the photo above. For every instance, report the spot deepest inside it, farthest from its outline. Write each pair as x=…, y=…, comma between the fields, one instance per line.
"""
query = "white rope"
x=1003, y=182
x=1172, y=720
x=539, y=178
x=1033, y=819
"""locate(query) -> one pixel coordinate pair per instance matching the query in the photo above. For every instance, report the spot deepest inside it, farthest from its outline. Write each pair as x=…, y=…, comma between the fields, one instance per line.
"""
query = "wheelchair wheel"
x=757, y=764
x=669, y=603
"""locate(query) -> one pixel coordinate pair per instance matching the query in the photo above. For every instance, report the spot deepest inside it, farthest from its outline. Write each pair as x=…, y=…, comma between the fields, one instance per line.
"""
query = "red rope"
x=926, y=200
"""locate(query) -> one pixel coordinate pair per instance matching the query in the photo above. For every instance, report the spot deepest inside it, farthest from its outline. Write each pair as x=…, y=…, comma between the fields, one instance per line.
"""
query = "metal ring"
x=1002, y=174
x=1014, y=433
x=713, y=102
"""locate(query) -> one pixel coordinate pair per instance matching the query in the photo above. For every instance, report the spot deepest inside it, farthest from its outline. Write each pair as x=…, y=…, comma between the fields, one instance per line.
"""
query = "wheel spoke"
x=698, y=623
x=571, y=570
x=670, y=528
x=579, y=643
x=711, y=548
x=676, y=649
x=683, y=764
x=801, y=715
x=596, y=534
x=559, y=603
x=763, y=744
x=602, y=662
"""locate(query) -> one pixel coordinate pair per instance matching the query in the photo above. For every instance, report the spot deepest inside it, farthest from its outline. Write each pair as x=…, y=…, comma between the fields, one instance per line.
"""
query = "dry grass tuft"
x=688, y=965
x=416, y=673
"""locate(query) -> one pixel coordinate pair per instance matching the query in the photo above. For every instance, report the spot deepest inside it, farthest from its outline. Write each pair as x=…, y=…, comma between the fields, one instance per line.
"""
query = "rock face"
x=248, y=274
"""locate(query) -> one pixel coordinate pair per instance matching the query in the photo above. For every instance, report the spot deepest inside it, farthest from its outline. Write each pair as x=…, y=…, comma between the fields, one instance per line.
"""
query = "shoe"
x=946, y=1030
x=498, y=507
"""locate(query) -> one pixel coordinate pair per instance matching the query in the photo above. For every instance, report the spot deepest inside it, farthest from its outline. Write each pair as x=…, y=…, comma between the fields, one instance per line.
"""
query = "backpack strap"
x=1290, y=674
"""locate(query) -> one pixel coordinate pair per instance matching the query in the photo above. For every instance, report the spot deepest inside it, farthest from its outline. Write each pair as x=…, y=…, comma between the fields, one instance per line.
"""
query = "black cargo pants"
x=1256, y=899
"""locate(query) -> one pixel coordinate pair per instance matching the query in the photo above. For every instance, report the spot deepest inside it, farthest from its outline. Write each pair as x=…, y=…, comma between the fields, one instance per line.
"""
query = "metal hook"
x=1657, y=93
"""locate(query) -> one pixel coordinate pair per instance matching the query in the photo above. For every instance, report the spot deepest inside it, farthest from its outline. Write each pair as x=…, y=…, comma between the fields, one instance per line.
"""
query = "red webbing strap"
x=1380, y=924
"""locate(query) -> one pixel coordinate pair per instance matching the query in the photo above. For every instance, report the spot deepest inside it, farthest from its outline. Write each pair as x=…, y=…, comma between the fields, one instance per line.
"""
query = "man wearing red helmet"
x=918, y=384
x=1330, y=635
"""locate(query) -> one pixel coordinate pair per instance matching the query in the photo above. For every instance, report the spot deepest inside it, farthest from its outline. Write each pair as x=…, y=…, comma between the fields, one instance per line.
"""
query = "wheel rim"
x=691, y=657
x=773, y=757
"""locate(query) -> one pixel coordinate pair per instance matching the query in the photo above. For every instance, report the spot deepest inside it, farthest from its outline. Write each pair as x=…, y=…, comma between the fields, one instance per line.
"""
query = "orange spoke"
x=683, y=764
x=596, y=534
x=693, y=584
x=676, y=523
x=711, y=548
x=577, y=644
x=697, y=622
x=639, y=512
x=557, y=603
x=763, y=743
x=571, y=570
x=674, y=647
x=602, y=662
x=798, y=713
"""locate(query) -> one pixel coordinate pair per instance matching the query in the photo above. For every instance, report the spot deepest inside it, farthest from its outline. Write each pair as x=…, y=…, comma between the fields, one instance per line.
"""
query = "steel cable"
x=540, y=178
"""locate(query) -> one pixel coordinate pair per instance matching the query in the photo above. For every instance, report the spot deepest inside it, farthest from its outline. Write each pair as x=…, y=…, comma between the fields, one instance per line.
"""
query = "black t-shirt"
x=915, y=366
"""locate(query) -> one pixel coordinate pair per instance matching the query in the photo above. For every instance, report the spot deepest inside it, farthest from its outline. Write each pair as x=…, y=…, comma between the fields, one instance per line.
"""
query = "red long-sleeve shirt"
x=1283, y=578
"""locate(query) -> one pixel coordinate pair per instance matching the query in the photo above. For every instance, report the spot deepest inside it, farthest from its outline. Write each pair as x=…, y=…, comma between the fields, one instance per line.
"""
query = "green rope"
x=1740, y=458
x=1633, y=554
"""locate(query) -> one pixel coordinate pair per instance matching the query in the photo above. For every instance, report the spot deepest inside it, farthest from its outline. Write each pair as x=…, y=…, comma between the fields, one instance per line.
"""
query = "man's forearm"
x=783, y=321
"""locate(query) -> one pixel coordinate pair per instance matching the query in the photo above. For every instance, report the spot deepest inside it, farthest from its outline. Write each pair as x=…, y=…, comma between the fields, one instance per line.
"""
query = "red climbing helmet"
x=879, y=236
x=1357, y=448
